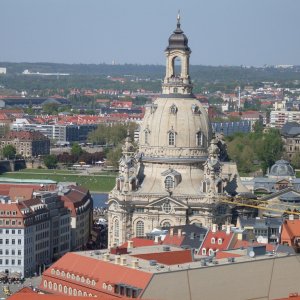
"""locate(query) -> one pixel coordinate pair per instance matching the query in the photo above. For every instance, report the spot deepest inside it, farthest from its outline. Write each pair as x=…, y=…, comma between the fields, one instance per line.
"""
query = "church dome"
x=282, y=168
x=175, y=127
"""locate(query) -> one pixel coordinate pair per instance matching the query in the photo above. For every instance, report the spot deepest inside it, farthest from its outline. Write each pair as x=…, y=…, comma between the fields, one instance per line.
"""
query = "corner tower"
x=177, y=79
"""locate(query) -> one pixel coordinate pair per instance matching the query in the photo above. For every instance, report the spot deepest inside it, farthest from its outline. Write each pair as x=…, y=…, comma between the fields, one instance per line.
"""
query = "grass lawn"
x=48, y=171
x=93, y=183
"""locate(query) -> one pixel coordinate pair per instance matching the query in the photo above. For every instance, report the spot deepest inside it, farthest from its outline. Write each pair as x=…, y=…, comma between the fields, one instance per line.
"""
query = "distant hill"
x=198, y=72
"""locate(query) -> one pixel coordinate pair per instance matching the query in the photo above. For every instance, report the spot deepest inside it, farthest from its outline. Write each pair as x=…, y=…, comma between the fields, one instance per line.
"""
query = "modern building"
x=57, y=132
x=27, y=143
x=280, y=117
x=230, y=128
x=176, y=177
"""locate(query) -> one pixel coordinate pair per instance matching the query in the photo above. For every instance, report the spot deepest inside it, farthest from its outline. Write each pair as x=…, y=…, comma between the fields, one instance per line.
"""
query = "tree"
x=296, y=160
x=76, y=150
x=9, y=151
x=114, y=155
x=50, y=161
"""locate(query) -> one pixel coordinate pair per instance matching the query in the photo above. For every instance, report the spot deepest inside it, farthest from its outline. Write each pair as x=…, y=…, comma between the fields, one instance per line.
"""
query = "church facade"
x=176, y=176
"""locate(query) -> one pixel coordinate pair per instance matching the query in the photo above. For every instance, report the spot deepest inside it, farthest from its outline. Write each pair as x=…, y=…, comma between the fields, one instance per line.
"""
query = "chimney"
x=129, y=244
x=157, y=239
x=228, y=229
x=291, y=217
x=117, y=259
x=106, y=256
x=123, y=261
x=179, y=231
x=214, y=228
x=171, y=231
x=135, y=264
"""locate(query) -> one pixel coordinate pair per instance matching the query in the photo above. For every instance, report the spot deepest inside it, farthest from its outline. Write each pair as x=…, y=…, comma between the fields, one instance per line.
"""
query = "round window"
x=167, y=207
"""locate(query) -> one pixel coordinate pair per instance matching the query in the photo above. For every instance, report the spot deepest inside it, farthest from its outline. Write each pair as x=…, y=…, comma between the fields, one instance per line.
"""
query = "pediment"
x=283, y=181
x=175, y=202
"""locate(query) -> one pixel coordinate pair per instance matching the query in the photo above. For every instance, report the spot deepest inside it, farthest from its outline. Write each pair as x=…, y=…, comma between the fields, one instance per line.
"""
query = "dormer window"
x=199, y=139
x=173, y=108
x=169, y=182
x=146, y=136
x=171, y=137
x=195, y=109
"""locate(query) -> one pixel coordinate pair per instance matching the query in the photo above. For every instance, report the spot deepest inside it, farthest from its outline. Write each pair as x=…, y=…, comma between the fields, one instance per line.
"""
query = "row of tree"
x=255, y=150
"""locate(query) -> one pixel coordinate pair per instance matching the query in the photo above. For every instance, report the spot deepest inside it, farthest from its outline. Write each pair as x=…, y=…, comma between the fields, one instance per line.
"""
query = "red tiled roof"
x=168, y=258
x=207, y=243
x=245, y=244
x=21, y=193
x=139, y=242
x=100, y=270
x=35, y=296
x=173, y=240
x=25, y=135
x=290, y=229
x=224, y=254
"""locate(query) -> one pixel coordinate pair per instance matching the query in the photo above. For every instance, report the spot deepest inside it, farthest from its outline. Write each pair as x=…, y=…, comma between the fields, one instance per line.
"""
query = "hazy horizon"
x=221, y=33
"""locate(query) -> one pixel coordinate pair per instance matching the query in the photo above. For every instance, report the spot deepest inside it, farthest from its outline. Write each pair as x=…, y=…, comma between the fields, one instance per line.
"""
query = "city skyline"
x=232, y=33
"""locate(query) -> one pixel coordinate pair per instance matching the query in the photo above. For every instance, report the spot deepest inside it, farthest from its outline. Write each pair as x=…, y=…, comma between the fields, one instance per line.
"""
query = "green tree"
x=296, y=160
x=76, y=150
x=50, y=161
x=114, y=155
x=9, y=151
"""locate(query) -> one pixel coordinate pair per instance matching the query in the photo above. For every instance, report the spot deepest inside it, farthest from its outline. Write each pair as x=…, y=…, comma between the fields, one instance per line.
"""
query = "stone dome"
x=175, y=128
x=281, y=168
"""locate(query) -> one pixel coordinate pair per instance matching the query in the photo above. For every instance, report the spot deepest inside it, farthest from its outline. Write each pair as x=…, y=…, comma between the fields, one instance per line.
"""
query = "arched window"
x=211, y=252
x=171, y=138
x=166, y=224
x=220, y=241
x=199, y=139
x=169, y=182
x=65, y=289
x=203, y=251
x=176, y=66
x=213, y=240
x=55, y=286
x=70, y=291
x=45, y=283
x=219, y=186
x=60, y=287
x=50, y=285
x=116, y=230
x=79, y=293
x=140, y=228
x=74, y=292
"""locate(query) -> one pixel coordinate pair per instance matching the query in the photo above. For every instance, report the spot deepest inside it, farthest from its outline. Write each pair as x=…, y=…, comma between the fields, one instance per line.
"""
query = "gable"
x=175, y=202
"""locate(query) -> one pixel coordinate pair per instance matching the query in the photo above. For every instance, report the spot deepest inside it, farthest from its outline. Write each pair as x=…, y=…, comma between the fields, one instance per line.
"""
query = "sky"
x=220, y=32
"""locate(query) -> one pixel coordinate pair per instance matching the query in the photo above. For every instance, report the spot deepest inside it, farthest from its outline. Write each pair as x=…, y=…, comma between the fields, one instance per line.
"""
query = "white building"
x=2, y=70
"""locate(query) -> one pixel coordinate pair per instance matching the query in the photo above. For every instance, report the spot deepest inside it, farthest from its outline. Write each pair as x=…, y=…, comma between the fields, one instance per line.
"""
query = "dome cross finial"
x=178, y=18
